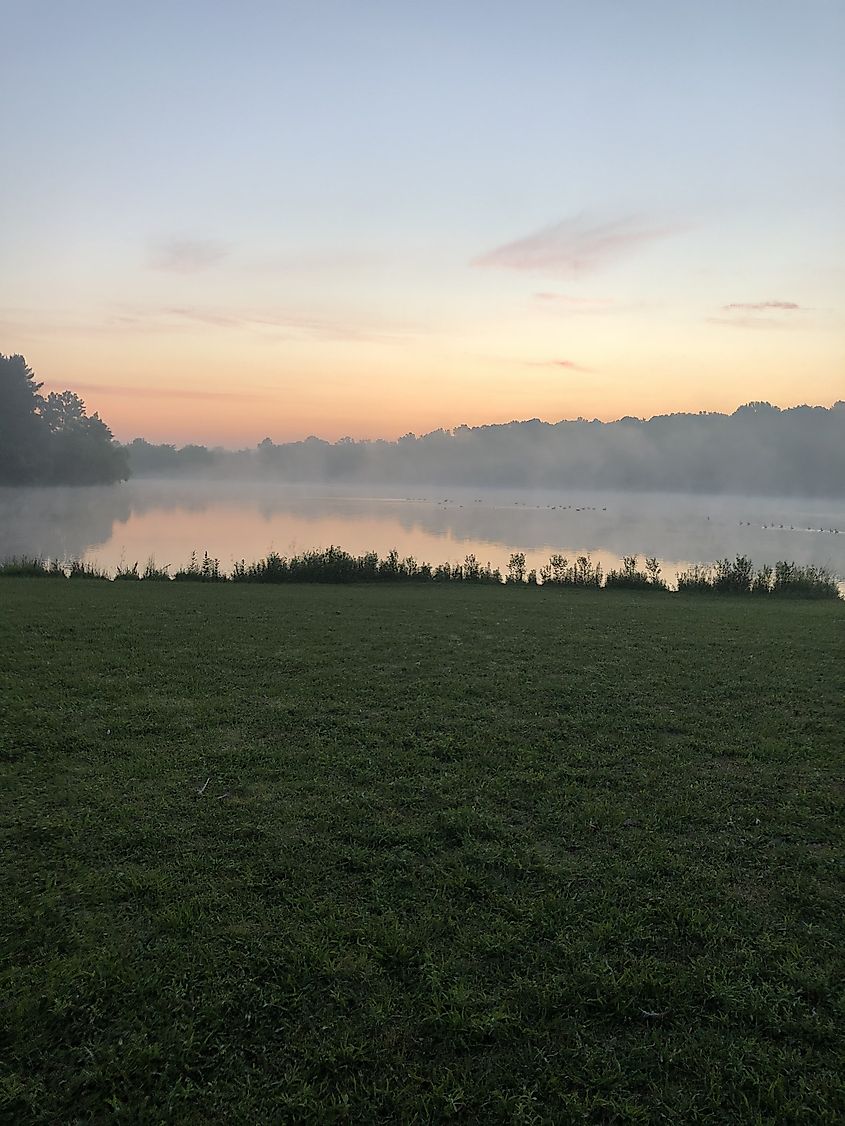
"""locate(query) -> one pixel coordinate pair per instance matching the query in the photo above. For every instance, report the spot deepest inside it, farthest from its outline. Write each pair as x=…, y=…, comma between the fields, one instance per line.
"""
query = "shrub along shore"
x=334, y=565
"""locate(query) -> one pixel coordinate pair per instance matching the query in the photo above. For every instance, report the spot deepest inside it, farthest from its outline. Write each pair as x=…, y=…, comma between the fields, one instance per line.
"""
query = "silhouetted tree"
x=21, y=428
x=52, y=440
x=62, y=411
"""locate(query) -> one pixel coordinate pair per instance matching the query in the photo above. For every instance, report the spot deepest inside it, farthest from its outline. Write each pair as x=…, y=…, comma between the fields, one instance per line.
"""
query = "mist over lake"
x=169, y=520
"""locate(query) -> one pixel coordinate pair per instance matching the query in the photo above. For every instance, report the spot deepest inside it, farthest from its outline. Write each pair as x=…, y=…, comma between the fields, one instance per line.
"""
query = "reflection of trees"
x=60, y=522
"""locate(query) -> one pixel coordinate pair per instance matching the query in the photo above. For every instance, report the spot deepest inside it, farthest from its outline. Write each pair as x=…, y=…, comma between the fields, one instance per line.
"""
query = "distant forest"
x=759, y=449
x=51, y=439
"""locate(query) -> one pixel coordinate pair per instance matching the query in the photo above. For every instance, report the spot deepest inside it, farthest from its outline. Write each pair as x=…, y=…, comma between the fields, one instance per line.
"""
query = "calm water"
x=168, y=520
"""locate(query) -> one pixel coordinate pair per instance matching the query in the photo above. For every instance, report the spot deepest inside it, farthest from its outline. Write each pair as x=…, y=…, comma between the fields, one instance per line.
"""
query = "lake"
x=169, y=520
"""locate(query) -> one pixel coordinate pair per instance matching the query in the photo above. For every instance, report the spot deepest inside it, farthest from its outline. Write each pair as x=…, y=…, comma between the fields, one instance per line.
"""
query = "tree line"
x=758, y=450
x=51, y=439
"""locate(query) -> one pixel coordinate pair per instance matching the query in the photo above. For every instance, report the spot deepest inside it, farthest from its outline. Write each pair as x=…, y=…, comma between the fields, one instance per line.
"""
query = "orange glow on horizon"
x=235, y=391
x=243, y=423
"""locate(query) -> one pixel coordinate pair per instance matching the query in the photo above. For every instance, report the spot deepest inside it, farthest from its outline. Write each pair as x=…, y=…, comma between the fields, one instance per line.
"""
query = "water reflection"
x=61, y=522
x=169, y=520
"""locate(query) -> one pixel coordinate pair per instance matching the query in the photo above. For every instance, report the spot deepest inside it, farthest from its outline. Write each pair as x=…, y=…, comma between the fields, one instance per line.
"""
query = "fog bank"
x=758, y=450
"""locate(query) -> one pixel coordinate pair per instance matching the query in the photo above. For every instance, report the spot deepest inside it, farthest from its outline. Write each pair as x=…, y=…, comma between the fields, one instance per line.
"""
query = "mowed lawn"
x=396, y=854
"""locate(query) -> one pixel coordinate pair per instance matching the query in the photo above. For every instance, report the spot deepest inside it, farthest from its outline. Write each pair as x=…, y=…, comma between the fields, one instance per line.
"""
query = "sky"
x=226, y=221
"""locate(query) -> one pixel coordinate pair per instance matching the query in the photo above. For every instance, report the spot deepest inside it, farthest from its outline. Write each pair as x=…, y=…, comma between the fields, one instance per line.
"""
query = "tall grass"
x=793, y=581
x=208, y=571
x=738, y=576
x=78, y=569
x=154, y=573
x=630, y=577
x=583, y=572
x=31, y=567
x=34, y=567
x=334, y=565
x=125, y=573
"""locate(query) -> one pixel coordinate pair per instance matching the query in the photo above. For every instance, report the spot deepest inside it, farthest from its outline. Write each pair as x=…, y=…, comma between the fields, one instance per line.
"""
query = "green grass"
x=417, y=854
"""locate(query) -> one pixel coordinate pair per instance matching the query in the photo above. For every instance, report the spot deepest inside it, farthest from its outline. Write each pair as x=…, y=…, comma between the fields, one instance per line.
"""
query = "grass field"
x=397, y=854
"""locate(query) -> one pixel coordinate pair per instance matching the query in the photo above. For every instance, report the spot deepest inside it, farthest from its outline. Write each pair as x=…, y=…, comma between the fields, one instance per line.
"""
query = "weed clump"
x=582, y=573
x=334, y=565
x=785, y=580
x=695, y=580
x=793, y=581
x=154, y=573
x=31, y=567
x=630, y=577
x=78, y=569
x=208, y=571
x=125, y=573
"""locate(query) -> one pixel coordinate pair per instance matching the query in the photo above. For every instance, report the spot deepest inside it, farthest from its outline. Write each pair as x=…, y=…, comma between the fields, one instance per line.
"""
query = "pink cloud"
x=761, y=305
x=186, y=256
x=567, y=299
x=746, y=314
x=284, y=325
x=569, y=365
x=574, y=246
